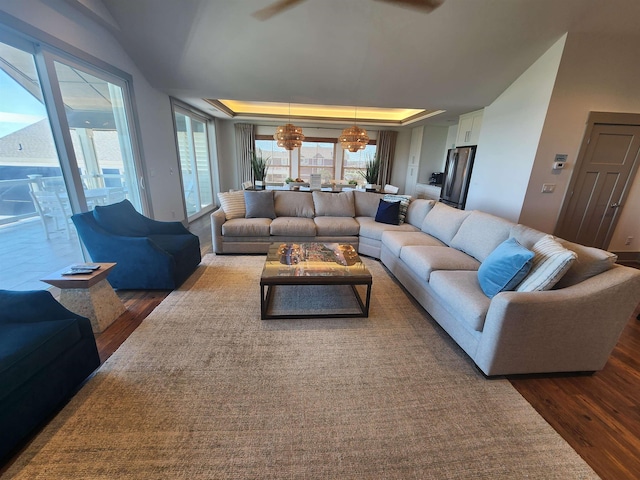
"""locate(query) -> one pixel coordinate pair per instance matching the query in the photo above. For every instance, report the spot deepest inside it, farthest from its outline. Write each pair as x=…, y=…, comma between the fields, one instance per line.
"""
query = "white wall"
x=597, y=73
x=452, y=135
x=58, y=19
x=401, y=159
x=225, y=141
x=432, y=153
x=511, y=128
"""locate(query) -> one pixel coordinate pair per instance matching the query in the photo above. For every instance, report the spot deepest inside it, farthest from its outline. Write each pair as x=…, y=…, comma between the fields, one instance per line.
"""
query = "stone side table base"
x=99, y=303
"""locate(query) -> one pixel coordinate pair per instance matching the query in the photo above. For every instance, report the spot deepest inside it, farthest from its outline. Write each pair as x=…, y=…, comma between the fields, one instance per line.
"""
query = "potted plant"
x=371, y=172
x=259, y=166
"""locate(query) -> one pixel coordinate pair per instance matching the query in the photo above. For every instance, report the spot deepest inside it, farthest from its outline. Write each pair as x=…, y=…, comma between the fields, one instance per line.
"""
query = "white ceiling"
x=458, y=58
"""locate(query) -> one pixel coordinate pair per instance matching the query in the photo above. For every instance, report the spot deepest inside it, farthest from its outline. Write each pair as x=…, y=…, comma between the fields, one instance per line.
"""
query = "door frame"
x=599, y=118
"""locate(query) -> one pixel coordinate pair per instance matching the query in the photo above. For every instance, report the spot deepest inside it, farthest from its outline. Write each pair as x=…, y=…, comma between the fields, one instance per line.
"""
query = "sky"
x=18, y=108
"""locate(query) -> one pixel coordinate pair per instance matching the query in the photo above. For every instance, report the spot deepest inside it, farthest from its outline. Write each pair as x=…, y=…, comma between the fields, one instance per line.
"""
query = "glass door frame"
x=45, y=57
x=182, y=108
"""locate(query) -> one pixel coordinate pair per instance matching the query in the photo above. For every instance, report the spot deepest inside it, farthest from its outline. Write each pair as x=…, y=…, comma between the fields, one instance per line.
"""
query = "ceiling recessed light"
x=322, y=113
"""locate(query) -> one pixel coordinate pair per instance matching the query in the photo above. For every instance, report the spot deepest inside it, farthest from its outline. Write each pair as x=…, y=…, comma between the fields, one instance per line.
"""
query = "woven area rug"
x=205, y=389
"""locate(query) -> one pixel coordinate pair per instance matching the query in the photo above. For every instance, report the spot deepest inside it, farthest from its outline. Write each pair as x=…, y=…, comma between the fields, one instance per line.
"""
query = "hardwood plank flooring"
x=598, y=415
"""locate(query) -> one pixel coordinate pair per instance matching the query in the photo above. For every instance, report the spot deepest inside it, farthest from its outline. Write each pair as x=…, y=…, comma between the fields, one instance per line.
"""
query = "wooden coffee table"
x=89, y=295
x=313, y=264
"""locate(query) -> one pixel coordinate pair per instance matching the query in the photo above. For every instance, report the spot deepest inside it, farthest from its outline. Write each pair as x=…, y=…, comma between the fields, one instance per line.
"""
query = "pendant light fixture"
x=289, y=136
x=354, y=138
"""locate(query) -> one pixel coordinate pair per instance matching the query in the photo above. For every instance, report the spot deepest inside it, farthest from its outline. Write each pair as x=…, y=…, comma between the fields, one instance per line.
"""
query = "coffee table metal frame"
x=268, y=283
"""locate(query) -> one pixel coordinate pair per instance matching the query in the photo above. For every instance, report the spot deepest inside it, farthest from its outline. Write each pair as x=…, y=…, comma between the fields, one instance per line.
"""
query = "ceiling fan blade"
x=275, y=8
x=424, y=5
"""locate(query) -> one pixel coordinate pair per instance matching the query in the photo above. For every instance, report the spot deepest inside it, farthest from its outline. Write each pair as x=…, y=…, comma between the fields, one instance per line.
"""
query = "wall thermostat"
x=560, y=161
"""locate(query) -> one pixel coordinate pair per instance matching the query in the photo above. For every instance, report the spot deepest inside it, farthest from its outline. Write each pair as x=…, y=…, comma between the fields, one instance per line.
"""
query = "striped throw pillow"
x=404, y=204
x=233, y=204
x=550, y=263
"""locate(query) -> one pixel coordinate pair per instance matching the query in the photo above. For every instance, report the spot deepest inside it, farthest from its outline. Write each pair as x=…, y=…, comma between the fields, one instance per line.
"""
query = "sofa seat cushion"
x=293, y=204
x=293, y=226
x=423, y=260
x=25, y=348
x=369, y=228
x=246, y=227
x=480, y=234
x=443, y=222
x=394, y=240
x=331, y=226
x=452, y=286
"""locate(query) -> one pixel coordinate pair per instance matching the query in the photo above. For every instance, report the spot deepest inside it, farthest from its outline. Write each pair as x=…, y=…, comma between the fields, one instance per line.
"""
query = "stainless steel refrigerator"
x=457, y=174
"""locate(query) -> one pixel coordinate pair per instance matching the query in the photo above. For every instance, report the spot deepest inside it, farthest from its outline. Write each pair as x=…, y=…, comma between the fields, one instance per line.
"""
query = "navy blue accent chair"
x=46, y=353
x=150, y=255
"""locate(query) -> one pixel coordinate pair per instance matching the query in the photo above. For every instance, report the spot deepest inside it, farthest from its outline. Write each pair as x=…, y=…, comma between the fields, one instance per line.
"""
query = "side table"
x=89, y=295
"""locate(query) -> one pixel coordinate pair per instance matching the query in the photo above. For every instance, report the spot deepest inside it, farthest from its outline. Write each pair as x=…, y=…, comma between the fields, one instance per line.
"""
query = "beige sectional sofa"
x=346, y=217
x=436, y=255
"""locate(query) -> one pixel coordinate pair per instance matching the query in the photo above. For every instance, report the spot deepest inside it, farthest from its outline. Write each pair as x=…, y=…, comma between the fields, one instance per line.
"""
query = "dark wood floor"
x=598, y=415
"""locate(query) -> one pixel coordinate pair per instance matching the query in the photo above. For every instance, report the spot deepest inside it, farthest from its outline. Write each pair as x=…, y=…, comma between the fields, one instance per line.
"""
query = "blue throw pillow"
x=388, y=212
x=259, y=204
x=504, y=268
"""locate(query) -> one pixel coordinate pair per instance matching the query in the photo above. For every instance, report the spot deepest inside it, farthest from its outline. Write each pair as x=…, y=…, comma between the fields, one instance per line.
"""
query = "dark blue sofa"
x=150, y=255
x=46, y=352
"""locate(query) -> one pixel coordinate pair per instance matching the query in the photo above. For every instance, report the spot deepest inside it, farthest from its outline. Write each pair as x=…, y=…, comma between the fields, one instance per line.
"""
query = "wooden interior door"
x=606, y=167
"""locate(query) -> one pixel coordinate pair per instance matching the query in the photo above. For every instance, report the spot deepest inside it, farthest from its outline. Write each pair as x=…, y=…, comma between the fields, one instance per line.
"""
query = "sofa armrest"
x=569, y=329
x=217, y=220
x=31, y=306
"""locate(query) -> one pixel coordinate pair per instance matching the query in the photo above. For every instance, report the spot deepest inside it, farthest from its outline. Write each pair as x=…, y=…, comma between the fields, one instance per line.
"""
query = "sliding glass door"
x=66, y=146
x=94, y=106
x=192, y=136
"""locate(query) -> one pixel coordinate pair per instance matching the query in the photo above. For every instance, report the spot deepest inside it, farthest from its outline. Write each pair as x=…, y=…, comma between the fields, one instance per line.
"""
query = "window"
x=354, y=163
x=317, y=156
x=193, y=149
x=64, y=148
x=279, y=158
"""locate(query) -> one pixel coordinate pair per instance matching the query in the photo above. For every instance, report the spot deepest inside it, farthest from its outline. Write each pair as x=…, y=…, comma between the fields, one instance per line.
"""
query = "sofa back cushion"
x=293, y=204
x=526, y=236
x=334, y=204
x=443, y=222
x=480, y=234
x=121, y=219
x=366, y=203
x=589, y=262
x=232, y=204
x=259, y=204
x=417, y=210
